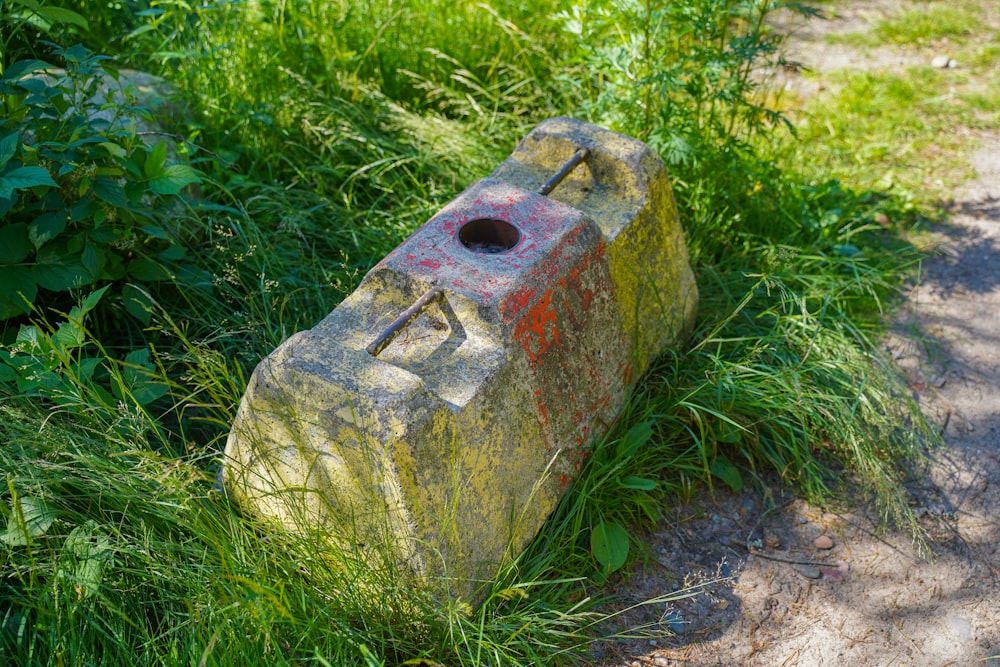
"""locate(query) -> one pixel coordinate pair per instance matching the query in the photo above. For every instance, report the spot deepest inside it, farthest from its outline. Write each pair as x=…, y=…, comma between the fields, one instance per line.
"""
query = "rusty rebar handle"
x=557, y=178
x=404, y=319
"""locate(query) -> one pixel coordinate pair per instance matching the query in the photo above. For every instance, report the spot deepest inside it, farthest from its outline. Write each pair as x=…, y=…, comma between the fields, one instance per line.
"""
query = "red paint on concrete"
x=538, y=330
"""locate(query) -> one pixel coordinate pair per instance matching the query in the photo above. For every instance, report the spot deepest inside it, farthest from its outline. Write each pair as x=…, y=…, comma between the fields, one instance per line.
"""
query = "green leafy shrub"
x=679, y=75
x=26, y=26
x=65, y=367
x=84, y=201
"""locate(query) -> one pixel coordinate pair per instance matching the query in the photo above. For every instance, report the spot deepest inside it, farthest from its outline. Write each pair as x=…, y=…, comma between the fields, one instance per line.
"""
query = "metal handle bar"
x=557, y=178
x=404, y=319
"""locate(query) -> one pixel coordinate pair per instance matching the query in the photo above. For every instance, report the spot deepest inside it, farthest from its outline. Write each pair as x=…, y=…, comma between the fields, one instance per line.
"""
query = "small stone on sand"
x=823, y=542
x=808, y=571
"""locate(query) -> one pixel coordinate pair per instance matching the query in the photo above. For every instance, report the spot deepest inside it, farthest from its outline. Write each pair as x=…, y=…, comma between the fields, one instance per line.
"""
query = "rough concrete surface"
x=861, y=597
x=449, y=443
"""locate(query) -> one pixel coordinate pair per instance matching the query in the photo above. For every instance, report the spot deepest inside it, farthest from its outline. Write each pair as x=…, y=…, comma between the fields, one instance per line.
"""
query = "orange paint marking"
x=538, y=330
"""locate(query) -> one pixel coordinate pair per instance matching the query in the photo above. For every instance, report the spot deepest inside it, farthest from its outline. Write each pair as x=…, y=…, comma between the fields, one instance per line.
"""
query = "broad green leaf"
x=92, y=259
x=79, y=53
x=111, y=192
x=113, y=149
x=23, y=67
x=173, y=179
x=56, y=15
x=8, y=146
x=138, y=357
x=172, y=253
x=84, y=369
x=135, y=191
x=636, y=437
x=37, y=87
x=638, y=483
x=92, y=300
x=724, y=469
x=72, y=332
x=18, y=290
x=91, y=549
x=146, y=270
x=29, y=333
x=154, y=161
x=15, y=244
x=104, y=236
x=83, y=210
x=156, y=232
x=61, y=274
x=8, y=371
x=29, y=518
x=142, y=383
x=76, y=242
x=609, y=543
x=137, y=303
x=23, y=178
x=46, y=227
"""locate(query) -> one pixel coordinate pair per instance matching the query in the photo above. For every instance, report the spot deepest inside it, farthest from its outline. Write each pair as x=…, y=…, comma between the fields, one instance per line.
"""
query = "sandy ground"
x=825, y=587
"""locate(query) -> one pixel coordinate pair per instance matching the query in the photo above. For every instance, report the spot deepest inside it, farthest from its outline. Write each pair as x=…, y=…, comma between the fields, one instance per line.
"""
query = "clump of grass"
x=921, y=27
x=887, y=132
x=119, y=551
x=934, y=21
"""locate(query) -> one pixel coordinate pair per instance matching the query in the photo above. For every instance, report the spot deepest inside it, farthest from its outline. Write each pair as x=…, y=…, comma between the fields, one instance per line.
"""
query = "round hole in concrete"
x=488, y=236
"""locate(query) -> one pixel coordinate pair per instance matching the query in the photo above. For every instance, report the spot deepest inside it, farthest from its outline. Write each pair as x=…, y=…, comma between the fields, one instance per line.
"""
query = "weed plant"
x=324, y=132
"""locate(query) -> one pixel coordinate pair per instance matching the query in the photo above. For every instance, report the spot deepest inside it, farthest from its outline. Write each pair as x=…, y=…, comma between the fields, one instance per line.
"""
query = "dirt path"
x=867, y=599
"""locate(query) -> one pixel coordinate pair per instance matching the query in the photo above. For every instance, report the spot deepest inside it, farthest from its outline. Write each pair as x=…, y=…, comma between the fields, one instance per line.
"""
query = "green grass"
x=924, y=25
x=908, y=122
x=326, y=132
x=127, y=556
x=906, y=130
x=932, y=21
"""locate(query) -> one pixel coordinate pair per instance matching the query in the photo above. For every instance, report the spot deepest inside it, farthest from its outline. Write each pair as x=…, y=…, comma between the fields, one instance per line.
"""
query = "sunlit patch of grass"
x=878, y=130
x=934, y=21
x=924, y=25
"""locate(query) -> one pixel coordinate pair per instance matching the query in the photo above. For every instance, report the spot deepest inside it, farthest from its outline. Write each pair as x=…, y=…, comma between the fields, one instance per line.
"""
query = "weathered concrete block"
x=448, y=440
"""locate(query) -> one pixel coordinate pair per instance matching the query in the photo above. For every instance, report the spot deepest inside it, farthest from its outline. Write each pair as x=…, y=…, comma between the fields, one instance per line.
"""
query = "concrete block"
x=441, y=411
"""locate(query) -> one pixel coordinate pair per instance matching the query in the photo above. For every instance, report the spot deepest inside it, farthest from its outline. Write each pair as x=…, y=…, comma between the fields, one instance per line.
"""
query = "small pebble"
x=675, y=622
x=803, y=520
x=823, y=542
x=808, y=571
